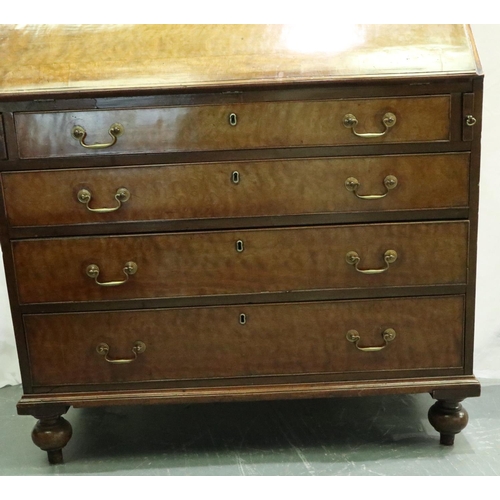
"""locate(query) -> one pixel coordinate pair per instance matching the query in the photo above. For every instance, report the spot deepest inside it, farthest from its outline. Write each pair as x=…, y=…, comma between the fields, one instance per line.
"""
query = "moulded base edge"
x=439, y=388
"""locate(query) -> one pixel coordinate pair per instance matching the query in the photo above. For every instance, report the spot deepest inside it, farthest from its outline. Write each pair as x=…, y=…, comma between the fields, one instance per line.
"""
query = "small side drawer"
x=215, y=342
x=235, y=126
x=241, y=262
x=3, y=152
x=239, y=189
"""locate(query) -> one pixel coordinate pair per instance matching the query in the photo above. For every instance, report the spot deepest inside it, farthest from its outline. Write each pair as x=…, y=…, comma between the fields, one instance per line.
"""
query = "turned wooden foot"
x=51, y=434
x=448, y=417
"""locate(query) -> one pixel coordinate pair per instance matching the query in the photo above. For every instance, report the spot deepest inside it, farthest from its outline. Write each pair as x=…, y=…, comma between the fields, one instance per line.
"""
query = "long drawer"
x=246, y=341
x=234, y=126
x=239, y=262
x=237, y=189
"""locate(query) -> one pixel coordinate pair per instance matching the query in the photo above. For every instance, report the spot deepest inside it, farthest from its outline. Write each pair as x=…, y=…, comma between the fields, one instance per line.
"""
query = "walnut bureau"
x=221, y=213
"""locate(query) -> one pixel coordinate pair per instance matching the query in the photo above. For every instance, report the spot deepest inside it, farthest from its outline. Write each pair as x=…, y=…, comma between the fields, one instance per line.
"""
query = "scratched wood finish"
x=71, y=58
x=276, y=339
x=173, y=92
x=259, y=125
x=197, y=264
x=204, y=191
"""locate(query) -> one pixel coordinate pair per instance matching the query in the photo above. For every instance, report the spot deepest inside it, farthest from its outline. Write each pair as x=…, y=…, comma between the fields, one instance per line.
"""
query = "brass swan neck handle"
x=352, y=184
x=388, y=335
x=121, y=196
x=138, y=348
x=93, y=272
x=353, y=259
x=388, y=120
x=79, y=133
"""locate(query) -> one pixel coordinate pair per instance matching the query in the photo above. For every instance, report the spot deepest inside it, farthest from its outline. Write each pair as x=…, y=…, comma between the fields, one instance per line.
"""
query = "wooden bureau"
x=220, y=213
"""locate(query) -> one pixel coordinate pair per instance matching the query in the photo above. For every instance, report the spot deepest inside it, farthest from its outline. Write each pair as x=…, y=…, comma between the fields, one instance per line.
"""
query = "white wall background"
x=9, y=366
x=487, y=344
x=487, y=347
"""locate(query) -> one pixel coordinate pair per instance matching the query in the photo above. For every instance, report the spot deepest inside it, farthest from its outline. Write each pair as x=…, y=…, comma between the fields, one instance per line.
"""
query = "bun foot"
x=51, y=434
x=448, y=417
x=55, y=456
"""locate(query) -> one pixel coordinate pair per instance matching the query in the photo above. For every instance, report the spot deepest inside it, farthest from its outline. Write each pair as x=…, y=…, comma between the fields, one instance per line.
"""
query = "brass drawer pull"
x=138, y=348
x=79, y=133
x=388, y=335
x=122, y=195
x=93, y=272
x=352, y=184
x=389, y=120
x=470, y=121
x=352, y=258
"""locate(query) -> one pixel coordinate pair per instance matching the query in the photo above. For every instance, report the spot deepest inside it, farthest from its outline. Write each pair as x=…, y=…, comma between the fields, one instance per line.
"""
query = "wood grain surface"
x=259, y=125
x=204, y=244
x=276, y=339
x=68, y=58
x=207, y=263
x=265, y=188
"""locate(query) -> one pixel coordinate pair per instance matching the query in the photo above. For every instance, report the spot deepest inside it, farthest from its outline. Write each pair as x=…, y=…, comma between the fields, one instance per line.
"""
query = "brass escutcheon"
x=240, y=246
x=233, y=119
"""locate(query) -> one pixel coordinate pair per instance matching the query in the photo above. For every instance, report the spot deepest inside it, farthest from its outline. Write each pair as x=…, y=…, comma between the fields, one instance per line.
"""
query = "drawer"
x=232, y=126
x=240, y=262
x=237, y=189
x=199, y=343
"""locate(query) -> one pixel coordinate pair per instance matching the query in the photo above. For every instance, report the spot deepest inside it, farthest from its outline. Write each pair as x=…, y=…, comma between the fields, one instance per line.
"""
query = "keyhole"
x=239, y=246
x=243, y=318
x=233, y=119
x=235, y=177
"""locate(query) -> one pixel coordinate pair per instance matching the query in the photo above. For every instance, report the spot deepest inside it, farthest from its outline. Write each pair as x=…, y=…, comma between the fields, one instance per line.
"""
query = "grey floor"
x=387, y=435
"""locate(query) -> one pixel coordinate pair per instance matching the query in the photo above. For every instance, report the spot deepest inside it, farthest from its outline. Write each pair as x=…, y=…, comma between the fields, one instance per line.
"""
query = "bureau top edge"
x=43, y=60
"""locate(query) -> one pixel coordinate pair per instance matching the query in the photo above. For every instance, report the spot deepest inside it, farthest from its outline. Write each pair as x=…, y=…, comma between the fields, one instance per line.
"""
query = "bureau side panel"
x=475, y=135
x=11, y=282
